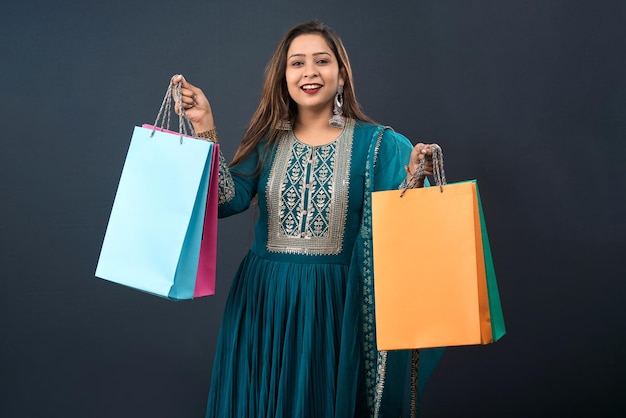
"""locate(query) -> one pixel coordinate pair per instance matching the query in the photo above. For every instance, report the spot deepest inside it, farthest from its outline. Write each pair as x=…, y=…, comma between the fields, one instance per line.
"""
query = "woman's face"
x=312, y=73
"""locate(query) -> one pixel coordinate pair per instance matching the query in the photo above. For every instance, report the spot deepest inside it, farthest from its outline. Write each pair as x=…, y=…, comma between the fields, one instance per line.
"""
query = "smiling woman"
x=298, y=335
x=313, y=80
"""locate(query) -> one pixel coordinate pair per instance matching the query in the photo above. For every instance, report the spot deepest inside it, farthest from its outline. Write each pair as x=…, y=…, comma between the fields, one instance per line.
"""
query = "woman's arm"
x=237, y=185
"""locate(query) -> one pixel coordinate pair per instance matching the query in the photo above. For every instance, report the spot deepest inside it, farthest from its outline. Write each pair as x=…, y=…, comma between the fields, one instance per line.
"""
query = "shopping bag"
x=162, y=231
x=434, y=279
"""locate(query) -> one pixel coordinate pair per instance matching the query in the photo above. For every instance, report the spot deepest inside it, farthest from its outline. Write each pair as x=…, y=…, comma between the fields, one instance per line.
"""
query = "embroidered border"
x=375, y=361
x=226, y=184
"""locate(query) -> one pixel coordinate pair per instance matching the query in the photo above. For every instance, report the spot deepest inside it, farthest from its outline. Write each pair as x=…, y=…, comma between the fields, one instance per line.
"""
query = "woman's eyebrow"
x=302, y=55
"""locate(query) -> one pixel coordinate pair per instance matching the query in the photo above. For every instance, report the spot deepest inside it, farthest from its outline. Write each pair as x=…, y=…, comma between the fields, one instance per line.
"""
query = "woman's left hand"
x=420, y=152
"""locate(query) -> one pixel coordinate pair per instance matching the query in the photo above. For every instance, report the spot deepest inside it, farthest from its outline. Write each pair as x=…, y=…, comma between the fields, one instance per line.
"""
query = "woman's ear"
x=342, y=76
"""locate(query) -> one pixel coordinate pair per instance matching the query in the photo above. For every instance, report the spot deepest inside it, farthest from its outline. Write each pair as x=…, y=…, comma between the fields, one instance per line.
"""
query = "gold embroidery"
x=307, y=194
x=226, y=185
x=373, y=365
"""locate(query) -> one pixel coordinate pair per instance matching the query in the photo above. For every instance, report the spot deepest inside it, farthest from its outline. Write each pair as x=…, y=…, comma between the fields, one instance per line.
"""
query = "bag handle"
x=185, y=128
x=439, y=175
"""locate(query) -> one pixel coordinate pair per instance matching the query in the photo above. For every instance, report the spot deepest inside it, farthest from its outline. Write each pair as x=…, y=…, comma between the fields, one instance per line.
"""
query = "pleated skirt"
x=278, y=347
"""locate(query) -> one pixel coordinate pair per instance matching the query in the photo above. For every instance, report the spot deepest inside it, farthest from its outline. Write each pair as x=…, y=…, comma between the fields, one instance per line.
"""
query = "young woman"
x=297, y=337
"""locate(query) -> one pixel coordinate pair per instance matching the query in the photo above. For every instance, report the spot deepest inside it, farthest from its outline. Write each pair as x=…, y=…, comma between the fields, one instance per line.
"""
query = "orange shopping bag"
x=434, y=280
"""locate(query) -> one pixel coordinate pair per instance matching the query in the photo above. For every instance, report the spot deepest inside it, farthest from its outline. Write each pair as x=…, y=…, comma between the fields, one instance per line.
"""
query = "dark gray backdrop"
x=527, y=97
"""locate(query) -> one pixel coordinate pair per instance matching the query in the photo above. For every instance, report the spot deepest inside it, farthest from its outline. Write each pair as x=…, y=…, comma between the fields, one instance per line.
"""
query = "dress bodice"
x=310, y=198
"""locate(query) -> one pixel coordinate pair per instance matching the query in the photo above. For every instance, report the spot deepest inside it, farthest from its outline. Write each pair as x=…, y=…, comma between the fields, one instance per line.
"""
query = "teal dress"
x=297, y=337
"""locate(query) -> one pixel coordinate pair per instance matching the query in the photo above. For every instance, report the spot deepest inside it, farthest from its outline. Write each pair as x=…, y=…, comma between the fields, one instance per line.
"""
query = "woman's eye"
x=296, y=63
x=322, y=61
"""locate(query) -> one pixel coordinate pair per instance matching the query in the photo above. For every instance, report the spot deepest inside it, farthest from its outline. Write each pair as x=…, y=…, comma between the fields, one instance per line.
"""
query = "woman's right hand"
x=196, y=105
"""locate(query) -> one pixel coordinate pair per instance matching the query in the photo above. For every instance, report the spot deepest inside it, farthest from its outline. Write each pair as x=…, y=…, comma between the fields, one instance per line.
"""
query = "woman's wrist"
x=209, y=134
x=203, y=126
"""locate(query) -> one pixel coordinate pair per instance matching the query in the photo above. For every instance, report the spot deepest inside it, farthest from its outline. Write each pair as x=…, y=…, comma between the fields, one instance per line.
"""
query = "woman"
x=297, y=337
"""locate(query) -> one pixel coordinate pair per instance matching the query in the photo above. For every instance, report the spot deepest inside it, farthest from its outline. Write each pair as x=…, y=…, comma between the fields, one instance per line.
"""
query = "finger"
x=185, y=106
x=417, y=151
x=428, y=167
x=187, y=92
x=195, y=96
x=184, y=103
x=187, y=86
x=423, y=152
x=177, y=78
x=188, y=100
x=187, y=89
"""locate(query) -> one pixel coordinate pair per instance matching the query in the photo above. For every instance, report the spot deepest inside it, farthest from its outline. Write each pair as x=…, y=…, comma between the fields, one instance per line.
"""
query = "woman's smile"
x=311, y=88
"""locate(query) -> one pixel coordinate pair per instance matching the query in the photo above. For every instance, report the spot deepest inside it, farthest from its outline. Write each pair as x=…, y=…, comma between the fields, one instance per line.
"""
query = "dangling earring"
x=337, y=121
x=284, y=125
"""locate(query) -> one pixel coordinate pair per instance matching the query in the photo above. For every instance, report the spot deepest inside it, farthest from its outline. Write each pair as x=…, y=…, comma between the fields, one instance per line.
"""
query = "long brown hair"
x=276, y=105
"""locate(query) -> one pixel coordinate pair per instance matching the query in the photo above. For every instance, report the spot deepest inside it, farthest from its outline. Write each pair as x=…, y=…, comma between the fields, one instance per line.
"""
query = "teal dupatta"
x=379, y=381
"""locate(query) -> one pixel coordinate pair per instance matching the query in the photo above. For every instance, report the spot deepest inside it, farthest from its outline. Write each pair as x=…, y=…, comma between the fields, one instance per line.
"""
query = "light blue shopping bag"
x=152, y=242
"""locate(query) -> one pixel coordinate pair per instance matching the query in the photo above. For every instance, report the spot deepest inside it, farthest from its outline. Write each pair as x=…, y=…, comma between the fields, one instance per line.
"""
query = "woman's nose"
x=310, y=71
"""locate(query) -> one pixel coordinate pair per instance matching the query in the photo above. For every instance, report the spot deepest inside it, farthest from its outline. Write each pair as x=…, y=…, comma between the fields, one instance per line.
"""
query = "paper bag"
x=434, y=279
x=161, y=236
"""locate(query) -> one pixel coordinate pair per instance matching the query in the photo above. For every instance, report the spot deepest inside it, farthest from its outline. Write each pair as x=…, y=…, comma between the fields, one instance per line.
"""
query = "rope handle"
x=185, y=128
x=439, y=175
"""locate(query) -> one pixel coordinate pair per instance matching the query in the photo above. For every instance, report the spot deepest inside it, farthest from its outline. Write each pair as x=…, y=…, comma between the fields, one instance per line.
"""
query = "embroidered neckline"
x=338, y=139
x=309, y=189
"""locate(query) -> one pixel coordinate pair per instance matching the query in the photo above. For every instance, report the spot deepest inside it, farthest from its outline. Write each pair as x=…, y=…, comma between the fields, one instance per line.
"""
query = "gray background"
x=526, y=96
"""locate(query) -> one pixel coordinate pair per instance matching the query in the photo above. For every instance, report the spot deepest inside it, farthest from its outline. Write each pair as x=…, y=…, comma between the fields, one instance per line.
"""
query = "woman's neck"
x=312, y=128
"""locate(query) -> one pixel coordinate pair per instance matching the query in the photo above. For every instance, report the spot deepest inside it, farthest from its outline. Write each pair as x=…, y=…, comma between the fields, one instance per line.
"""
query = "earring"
x=337, y=121
x=284, y=125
